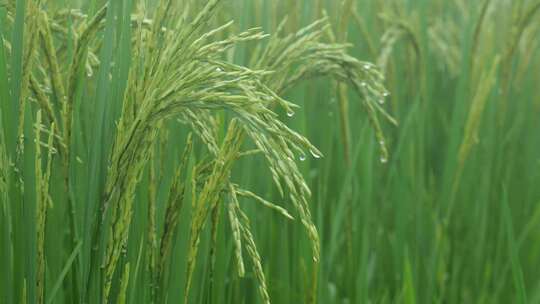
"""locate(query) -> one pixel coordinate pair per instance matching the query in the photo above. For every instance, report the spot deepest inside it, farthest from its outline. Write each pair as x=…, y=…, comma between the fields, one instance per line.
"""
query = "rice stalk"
x=300, y=57
x=124, y=282
x=44, y=102
x=388, y=42
x=151, y=238
x=249, y=194
x=478, y=28
x=86, y=32
x=401, y=27
x=130, y=148
x=44, y=200
x=172, y=213
x=236, y=231
x=41, y=215
x=40, y=95
x=478, y=104
x=521, y=21
x=343, y=101
x=444, y=39
x=255, y=258
x=208, y=198
x=295, y=58
x=244, y=227
x=180, y=73
x=30, y=37
x=49, y=49
x=214, y=221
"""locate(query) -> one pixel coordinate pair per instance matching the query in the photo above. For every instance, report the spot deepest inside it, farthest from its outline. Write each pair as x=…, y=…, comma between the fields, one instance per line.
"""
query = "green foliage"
x=239, y=151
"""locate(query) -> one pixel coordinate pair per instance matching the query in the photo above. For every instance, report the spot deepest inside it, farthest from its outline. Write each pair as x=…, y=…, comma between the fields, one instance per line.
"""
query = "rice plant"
x=233, y=151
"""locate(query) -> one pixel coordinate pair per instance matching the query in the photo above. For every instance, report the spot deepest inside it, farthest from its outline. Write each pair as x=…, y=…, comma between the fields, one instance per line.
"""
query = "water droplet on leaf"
x=302, y=157
x=290, y=113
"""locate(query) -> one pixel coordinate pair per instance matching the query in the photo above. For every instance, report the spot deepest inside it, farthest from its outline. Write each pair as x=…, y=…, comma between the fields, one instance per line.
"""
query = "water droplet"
x=302, y=157
x=384, y=159
x=290, y=113
x=367, y=66
x=386, y=94
x=363, y=84
x=218, y=69
x=381, y=142
x=315, y=154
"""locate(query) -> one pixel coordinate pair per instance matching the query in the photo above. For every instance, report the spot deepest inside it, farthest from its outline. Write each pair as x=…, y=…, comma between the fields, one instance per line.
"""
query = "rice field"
x=269, y=151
